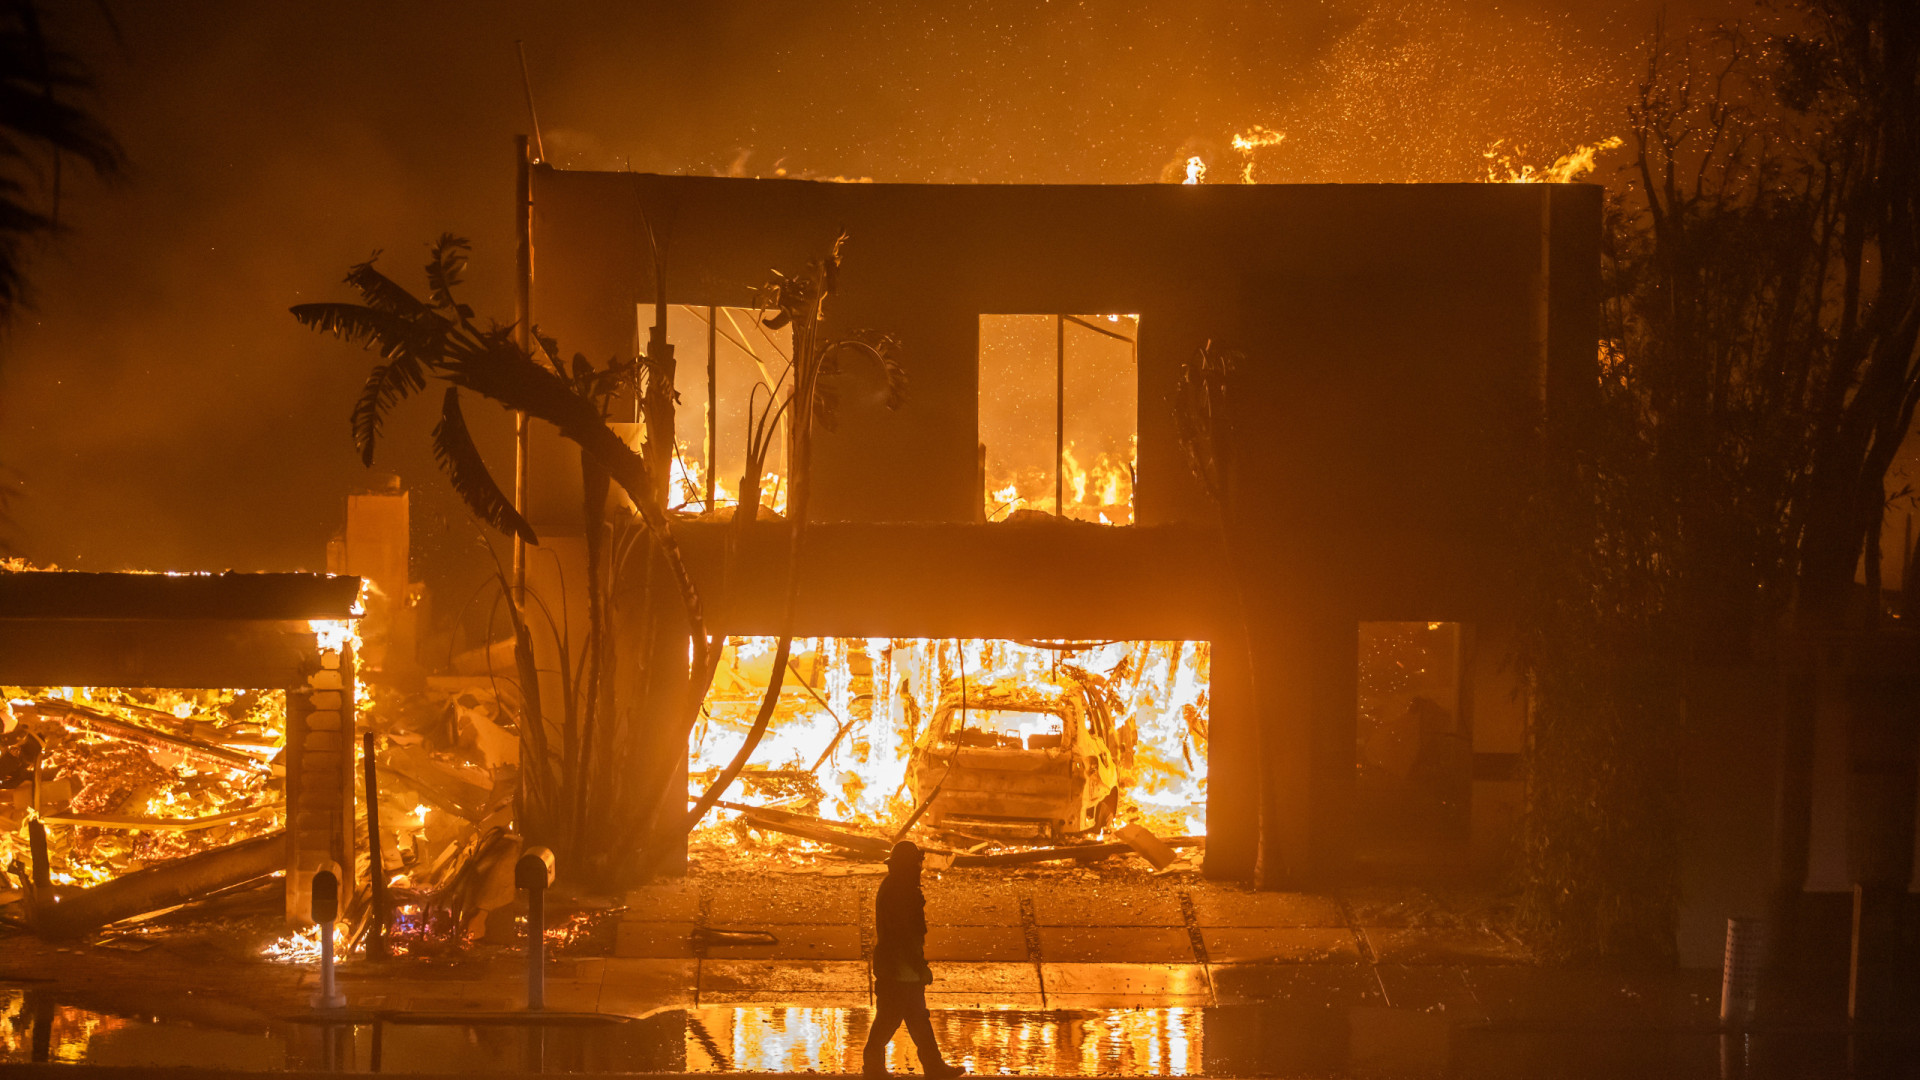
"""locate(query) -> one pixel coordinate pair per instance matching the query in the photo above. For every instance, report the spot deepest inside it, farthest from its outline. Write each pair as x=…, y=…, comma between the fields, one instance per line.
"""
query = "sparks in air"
x=1250, y=142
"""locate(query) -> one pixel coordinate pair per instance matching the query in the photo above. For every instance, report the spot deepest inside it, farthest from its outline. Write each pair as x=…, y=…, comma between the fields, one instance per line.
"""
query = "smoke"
x=163, y=411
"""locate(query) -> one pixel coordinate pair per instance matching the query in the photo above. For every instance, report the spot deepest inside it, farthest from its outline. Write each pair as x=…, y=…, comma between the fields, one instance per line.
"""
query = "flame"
x=689, y=486
x=101, y=771
x=876, y=694
x=1566, y=169
x=1100, y=491
x=1250, y=142
x=1196, y=170
x=302, y=946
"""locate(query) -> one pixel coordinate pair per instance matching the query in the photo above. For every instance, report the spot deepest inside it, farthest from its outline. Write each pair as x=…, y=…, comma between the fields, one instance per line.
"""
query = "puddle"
x=1251, y=1040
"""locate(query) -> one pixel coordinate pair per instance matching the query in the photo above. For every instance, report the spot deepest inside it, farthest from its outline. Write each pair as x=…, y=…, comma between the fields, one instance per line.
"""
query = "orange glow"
x=884, y=691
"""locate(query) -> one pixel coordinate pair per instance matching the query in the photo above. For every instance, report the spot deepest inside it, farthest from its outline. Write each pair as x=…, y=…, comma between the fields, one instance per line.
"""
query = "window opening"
x=725, y=358
x=1059, y=413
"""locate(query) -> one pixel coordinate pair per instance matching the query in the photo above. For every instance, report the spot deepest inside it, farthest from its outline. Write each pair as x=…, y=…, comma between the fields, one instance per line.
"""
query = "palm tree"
x=39, y=130
x=438, y=338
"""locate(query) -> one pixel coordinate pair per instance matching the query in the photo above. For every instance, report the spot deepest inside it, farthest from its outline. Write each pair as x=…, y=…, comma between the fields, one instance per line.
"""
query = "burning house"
x=1014, y=578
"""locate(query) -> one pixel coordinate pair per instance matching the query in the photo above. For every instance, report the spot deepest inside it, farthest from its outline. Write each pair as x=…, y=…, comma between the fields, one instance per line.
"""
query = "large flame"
x=1100, y=490
x=1503, y=166
x=868, y=699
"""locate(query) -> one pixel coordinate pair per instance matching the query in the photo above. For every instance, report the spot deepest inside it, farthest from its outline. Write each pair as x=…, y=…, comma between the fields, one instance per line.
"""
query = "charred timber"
x=56, y=708
x=157, y=887
x=64, y=594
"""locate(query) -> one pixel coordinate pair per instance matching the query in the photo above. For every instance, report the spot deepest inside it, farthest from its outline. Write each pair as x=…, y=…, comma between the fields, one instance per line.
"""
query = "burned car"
x=1018, y=758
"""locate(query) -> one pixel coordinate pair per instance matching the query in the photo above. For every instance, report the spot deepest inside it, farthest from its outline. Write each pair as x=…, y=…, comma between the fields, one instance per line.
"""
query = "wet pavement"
x=1046, y=974
x=1243, y=1040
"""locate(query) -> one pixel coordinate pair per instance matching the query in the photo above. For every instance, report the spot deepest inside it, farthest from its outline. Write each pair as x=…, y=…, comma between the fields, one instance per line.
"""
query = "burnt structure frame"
x=1407, y=351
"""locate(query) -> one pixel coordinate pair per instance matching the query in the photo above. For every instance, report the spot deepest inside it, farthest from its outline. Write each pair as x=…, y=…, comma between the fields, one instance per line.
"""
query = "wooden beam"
x=67, y=594
x=185, y=654
x=154, y=824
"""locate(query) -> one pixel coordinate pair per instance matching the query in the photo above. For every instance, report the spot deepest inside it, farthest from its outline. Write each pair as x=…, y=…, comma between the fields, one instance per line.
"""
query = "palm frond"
x=369, y=327
x=381, y=292
x=388, y=383
x=453, y=448
x=443, y=272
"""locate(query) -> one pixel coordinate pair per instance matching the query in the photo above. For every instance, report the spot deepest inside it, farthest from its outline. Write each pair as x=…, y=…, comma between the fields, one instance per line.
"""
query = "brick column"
x=319, y=777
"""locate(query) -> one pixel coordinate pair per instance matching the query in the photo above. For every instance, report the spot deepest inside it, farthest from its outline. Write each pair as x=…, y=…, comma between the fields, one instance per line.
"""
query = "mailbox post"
x=534, y=872
x=325, y=911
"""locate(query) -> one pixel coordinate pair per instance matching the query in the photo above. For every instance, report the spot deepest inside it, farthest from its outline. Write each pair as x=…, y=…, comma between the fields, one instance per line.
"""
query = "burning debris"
x=137, y=777
x=990, y=752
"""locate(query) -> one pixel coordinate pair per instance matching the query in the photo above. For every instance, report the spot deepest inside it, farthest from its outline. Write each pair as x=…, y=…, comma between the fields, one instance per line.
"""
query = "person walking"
x=900, y=972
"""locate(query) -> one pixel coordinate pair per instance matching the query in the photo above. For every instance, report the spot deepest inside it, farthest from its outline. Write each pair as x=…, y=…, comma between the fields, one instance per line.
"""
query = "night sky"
x=160, y=410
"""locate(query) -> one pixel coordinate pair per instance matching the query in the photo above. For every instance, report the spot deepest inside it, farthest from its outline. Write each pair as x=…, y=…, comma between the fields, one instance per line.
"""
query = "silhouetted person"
x=900, y=972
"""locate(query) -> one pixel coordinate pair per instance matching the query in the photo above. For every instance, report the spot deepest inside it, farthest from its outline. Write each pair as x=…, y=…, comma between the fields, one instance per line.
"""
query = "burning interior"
x=983, y=745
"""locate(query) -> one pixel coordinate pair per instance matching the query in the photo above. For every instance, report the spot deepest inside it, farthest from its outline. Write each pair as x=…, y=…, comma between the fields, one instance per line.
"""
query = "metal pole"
x=534, y=872
x=377, y=924
x=327, y=994
x=713, y=401
x=536, y=948
x=523, y=337
x=1059, y=415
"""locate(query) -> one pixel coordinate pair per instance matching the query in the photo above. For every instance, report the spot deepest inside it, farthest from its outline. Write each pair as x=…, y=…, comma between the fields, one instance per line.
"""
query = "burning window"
x=722, y=355
x=1059, y=414
x=991, y=742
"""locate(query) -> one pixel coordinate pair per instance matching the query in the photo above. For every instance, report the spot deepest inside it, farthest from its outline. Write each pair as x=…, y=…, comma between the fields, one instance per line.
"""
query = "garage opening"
x=977, y=748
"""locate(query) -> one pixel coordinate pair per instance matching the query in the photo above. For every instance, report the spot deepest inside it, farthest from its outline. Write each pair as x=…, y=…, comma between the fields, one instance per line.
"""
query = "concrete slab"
x=1220, y=906
x=1107, y=907
x=634, y=987
x=1280, y=945
x=677, y=902
x=1516, y=994
x=1438, y=945
x=955, y=903
x=1431, y=988
x=658, y=940
x=781, y=898
x=1391, y=906
x=1116, y=944
x=770, y=977
x=1113, y=986
x=976, y=943
x=1307, y=986
x=797, y=942
x=1009, y=979
x=570, y=995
